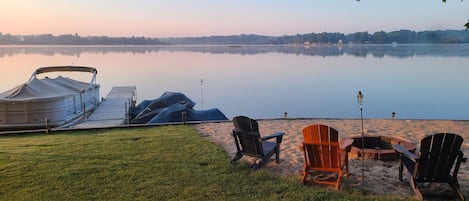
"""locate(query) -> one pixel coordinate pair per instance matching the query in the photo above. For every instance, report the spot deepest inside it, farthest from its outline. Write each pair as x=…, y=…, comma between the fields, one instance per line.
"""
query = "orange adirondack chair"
x=324, y=154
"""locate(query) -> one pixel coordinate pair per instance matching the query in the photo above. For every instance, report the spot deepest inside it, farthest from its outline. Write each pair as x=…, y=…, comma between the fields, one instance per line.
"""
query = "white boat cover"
x=48, y=102
x=44, y=89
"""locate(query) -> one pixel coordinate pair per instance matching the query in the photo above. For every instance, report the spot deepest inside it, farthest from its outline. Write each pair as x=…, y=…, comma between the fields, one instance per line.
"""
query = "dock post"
x=184, y=117
x=84, y=110
x=126, y=121
x=47, y=125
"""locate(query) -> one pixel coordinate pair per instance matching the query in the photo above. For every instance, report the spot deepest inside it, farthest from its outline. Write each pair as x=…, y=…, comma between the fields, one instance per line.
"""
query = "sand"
x=380, y=177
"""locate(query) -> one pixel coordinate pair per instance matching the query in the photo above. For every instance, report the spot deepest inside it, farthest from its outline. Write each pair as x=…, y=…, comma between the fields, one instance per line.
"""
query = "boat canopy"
x=64, y=69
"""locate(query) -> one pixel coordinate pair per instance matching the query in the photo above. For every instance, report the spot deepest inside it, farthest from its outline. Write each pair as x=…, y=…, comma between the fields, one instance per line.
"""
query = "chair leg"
x=258, y=164
x=277, y=155
x=236, y=158
x=415, y=188
x=455, y=187
x=346, y=165
x=305, y=175
x=339, y=176
x=401, y=167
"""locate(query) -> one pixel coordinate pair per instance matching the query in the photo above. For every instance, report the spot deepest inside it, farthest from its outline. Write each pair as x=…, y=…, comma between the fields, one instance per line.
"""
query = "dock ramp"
x=113, y=110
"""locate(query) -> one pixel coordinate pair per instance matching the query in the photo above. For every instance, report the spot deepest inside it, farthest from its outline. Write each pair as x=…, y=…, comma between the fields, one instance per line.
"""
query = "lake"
x=414, y=81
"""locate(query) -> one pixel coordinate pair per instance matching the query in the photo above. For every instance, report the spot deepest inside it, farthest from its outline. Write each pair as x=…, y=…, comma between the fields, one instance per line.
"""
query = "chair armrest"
x=346, y=144
x=461, y=155
x=458, y=163
x=405, y=152
x=278, y=135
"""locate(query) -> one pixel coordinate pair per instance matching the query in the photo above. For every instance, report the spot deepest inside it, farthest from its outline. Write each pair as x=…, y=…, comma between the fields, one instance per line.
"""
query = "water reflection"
x=399, y=51
x=414, y=81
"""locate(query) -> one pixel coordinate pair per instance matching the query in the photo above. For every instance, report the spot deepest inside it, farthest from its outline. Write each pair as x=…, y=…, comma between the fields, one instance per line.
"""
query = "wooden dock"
x=113, y=110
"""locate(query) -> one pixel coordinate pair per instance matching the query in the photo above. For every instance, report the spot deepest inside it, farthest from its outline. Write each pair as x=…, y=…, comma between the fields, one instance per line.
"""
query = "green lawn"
x=152, y=163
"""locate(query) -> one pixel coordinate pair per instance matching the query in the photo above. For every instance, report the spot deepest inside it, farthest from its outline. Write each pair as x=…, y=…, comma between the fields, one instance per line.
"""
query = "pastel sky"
x=165, y=18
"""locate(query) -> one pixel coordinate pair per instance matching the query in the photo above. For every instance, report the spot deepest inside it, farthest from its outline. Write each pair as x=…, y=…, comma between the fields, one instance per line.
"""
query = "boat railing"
x=66, y=69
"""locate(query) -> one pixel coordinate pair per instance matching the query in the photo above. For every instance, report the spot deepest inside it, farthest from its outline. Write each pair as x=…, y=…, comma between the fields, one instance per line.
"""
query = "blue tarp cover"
x=169, y=108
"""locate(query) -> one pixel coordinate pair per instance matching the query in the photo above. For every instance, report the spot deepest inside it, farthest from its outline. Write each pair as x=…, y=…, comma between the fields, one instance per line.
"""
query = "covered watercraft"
x=169, y=108
x=49, y=102
x=174, y=113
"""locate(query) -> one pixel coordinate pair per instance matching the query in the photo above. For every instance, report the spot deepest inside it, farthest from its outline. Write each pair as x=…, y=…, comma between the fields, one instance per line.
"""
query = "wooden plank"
x=334, y=153
x=325, y=149
x=113, y=110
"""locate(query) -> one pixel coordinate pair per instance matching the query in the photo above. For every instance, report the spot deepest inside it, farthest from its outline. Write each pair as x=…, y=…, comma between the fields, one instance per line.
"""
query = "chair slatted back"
x=438, y=154
x=247, y=132
x=321, y=144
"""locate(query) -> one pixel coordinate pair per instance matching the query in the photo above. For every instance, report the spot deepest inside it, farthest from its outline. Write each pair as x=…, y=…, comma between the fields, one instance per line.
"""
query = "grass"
x=157, y=163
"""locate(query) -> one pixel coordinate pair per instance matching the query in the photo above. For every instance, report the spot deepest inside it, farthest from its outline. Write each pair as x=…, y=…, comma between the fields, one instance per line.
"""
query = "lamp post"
x=360, y=103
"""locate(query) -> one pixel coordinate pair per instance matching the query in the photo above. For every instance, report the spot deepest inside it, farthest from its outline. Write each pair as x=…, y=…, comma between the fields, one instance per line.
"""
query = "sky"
x=182, y=18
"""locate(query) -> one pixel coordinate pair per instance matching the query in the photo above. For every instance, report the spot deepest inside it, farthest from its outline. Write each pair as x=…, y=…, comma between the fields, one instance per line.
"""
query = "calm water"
x=415, y=81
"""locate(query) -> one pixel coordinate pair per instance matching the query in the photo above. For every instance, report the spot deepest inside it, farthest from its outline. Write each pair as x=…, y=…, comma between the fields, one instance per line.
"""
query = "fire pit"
x=378, y=147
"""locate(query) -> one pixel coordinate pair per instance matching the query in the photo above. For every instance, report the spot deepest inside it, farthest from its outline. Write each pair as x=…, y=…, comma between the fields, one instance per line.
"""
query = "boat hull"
x=35, y=114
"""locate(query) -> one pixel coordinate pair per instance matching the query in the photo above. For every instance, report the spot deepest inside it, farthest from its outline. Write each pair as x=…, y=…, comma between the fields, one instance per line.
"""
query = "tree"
x=379, y=37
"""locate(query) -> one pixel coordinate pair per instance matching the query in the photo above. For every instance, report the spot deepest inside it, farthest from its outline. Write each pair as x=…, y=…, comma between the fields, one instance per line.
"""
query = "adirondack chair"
x=249, y=142
x=324, y=154
x=439, y=156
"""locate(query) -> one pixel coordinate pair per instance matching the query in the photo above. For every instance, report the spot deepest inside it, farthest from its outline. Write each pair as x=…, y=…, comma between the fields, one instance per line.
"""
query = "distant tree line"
x=233, y=39
x=401, y=36
x=74, y=39
x=381, y=37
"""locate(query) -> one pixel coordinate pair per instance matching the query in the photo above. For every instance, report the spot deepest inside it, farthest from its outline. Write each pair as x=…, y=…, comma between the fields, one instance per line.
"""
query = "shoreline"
x=380, y=178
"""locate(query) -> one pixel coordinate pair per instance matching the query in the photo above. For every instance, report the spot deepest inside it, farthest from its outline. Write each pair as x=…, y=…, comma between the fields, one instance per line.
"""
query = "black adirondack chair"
x=250, y=143
x=439, y=161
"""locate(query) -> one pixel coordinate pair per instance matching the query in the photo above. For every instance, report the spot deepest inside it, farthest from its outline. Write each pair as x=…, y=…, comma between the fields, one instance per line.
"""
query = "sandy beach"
x=380, y=177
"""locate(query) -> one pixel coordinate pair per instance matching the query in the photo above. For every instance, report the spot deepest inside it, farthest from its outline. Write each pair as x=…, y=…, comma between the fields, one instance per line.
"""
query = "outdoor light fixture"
x=360, y=102
x=360, y=98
